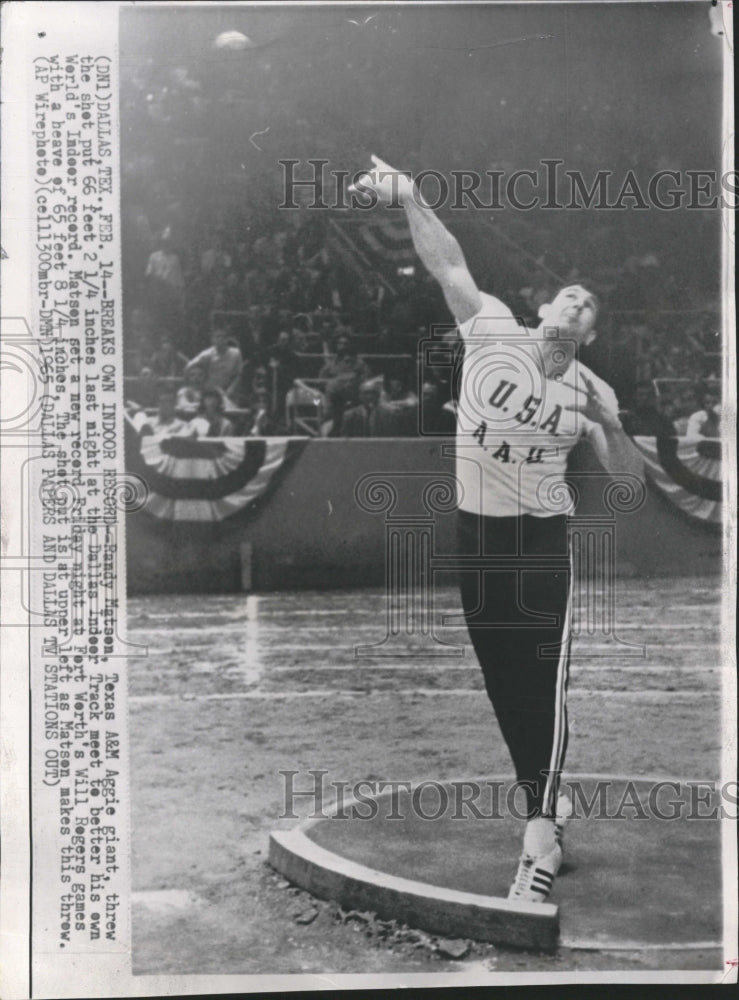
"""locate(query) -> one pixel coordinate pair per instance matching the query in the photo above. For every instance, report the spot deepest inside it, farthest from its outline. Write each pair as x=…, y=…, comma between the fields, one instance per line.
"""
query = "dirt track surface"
x=235, y=689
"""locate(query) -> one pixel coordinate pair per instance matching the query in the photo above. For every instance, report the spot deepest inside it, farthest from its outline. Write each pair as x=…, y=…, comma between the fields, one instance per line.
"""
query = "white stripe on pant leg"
x=563, y=670
x=560, y=705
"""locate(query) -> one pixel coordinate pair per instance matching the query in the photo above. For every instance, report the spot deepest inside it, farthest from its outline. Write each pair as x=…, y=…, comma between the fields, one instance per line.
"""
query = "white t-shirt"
x=514, y=431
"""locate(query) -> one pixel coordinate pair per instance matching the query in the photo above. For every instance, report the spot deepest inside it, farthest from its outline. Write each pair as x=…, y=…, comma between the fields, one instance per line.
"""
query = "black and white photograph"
x=417, y=323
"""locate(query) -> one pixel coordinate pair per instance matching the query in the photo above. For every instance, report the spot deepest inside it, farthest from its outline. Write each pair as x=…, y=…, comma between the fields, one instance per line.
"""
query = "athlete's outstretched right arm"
x=435, y=245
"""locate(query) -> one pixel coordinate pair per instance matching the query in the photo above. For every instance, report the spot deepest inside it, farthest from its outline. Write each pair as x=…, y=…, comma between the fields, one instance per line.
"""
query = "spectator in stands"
x=675, y=362
x=265, y=253
x=233, y=294
x=258, y=390
x=368, y=417
x=344, y=372
x=397, y=394
x=437, y=417
x=190, y=395
x=325, y=294
x=283, y=364
x=138, y=357
x=687, y=405
x=166, y=362
x=262, y=421
x=668, y=410
x=256, y=286
x=278, y=319
x=218, y=299
x=401, y=406
x=291, y=260
x=214, y=260
x=705, y=422
x=166, y=283
x=139, y=325
x=324, y=325
x=259, y=382
x=210, y=421
x=140, y=342
x=165, y=422
x=253, y=341
x=387, y=340
x=143, y=388
x=222, y=362
x=303, y=338
x=444, y=374
x=643, y=416
x=373, y=418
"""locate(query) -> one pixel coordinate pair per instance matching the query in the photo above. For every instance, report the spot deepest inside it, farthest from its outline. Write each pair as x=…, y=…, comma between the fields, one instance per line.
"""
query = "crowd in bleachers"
x=257, y=321
x=293, y=343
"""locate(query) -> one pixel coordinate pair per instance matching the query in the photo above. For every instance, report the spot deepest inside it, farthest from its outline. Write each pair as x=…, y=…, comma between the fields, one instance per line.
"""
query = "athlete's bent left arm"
x=613, y=448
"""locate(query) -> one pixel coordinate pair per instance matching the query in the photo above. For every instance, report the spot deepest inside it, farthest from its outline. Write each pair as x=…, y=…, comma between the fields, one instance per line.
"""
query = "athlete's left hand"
x=592, y=405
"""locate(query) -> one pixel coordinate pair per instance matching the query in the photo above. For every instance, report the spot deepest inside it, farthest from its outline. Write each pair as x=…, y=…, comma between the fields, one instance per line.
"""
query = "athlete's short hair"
x=598, y=305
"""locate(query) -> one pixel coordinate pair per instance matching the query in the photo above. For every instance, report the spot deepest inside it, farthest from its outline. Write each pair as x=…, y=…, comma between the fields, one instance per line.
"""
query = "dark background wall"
x=312, y=532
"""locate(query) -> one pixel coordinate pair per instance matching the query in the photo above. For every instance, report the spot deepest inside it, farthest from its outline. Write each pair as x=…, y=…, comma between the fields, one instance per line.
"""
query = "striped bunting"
x=386, y=242
x=687, y=471
x=208, y=479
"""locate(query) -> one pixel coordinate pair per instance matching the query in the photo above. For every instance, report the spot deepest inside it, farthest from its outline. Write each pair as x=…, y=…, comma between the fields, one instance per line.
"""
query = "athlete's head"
x=573, y=311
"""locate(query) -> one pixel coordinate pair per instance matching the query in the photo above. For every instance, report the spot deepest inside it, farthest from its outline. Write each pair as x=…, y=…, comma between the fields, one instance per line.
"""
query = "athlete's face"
x=573, y=311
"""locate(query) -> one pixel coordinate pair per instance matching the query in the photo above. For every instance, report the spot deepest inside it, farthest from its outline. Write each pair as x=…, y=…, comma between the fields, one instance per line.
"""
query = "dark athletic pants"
x=517, y=613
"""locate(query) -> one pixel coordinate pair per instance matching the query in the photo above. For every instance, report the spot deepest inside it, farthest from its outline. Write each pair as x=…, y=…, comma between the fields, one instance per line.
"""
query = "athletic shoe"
x=564, y=811
x=535, y=876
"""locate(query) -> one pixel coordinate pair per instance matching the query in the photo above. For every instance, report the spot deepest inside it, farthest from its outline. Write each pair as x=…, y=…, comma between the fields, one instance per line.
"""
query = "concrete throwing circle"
x=641, y=870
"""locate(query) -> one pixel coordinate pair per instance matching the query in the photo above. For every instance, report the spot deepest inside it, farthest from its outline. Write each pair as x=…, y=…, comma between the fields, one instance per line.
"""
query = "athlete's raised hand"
x=391, y=186
x=435, y=245
x=593, y=405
